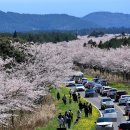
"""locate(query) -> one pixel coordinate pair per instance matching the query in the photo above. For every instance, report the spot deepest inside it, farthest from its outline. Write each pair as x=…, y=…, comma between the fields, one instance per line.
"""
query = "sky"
x=72, y=7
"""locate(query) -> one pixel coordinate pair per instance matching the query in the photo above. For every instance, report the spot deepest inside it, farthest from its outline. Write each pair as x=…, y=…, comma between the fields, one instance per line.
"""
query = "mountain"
x=109, y=20
x=11, y=21
x=29, y=22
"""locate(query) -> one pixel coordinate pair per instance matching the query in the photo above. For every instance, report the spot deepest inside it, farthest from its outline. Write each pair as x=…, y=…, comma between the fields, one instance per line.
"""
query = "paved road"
x=120, y=109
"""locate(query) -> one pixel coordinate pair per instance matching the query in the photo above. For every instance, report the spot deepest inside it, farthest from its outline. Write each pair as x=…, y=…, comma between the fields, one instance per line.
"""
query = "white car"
x=123, y=99
x=104, y=124
x=79, y=87
x=110, y=113
x=104, y=90
x=111, y=92
x=106, y=102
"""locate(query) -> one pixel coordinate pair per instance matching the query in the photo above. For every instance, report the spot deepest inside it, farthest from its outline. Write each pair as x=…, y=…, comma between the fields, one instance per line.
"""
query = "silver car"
x=104, y=124
x=106, y=102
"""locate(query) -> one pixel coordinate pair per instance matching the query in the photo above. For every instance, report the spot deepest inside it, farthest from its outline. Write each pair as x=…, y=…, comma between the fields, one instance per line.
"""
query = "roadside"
x=84, y=123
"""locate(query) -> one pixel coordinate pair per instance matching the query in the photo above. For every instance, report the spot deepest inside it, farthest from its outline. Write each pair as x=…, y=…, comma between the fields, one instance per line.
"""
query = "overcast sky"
x=71, y=7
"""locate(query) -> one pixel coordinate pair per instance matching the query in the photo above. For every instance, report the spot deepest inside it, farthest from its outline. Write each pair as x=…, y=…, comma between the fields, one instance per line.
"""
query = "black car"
x=124, y=126
x=119, y=93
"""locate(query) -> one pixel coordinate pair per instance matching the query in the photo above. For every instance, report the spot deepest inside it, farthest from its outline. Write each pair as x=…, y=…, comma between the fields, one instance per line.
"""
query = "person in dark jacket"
x=58, y=95
x=64, y=99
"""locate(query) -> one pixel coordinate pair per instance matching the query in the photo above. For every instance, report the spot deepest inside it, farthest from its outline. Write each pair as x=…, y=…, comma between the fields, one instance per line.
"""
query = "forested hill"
x=109, y=20
x=33, y=22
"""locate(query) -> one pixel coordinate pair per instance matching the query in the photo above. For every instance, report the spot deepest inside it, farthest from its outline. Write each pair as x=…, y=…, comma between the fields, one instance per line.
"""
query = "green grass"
x=88, y=77
x=120, y=86
x=83, y=124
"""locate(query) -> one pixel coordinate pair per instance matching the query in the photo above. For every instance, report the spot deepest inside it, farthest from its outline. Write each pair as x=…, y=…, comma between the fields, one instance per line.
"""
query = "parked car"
x=96, y=80
x=104, y=124
x=104, y=90
x=69, y=83
x=97, y=87
x=89, y=84
x=123, y=99
x=124, y=125
x=110, y=113
x=103, y=82
x=79, y=87
x=119, y=93
x=127, y=108
x=111, y=92
x=106, y=102
x=90, y=92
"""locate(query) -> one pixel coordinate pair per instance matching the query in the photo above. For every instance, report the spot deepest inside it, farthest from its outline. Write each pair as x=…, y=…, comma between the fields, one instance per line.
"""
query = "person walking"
x=69, y=122
x=60, y=120
x=80, y=106
x=70, y=93
x=58, y=95
x=78, y=114
x=78, y=96
x=86, y=111
x=64, y=99
x=90, y=109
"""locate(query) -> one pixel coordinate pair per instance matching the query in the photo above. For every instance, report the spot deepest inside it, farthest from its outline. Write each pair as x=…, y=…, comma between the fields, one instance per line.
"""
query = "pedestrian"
x=64, y=99
x=79, y=96
x=70, y=93
x=80, y=106
x=78, y=114
x=76, y=98
x=60, y=120
x=86, y=111
x=69, y=122
x=58, y=95
x=90, y=109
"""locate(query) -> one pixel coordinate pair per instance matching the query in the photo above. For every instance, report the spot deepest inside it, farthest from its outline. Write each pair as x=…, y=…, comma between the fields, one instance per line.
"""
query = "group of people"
x=65, y=120
x=87, y=108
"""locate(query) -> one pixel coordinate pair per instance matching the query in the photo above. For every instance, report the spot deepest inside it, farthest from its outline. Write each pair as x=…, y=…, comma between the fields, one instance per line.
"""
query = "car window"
x=109, y=111
x=108, y=99
x=103, y=120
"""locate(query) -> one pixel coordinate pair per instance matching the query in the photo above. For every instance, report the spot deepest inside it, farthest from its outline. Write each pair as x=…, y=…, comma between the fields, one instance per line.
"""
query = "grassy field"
x=83, y=124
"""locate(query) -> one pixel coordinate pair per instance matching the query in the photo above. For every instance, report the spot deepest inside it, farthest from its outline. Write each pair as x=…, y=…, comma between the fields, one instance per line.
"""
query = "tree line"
x=41, y=37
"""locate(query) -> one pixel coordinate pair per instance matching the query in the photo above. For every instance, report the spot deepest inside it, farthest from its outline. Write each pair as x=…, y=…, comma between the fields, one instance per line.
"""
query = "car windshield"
x=109, y=111
x=90, y=90
x=107, y=88
x=103, y=120
x=107, y=99
x=113, y=90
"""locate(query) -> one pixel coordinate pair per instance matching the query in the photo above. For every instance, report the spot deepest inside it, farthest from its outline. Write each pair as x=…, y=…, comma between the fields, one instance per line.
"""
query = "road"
x=120, y=109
